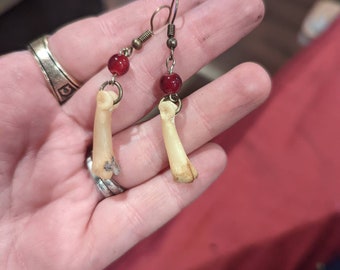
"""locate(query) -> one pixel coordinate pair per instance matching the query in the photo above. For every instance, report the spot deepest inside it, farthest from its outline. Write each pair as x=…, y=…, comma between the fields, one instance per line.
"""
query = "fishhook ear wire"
x=137, y=43
x=155, y=13
x=173, y=11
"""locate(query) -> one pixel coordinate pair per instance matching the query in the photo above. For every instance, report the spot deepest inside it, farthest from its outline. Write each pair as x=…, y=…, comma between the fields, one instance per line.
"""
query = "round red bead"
x=118, y=64
x=170, y=83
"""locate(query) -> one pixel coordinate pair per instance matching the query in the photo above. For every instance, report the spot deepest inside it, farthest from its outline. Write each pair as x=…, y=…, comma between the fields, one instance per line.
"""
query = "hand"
x=51, y=215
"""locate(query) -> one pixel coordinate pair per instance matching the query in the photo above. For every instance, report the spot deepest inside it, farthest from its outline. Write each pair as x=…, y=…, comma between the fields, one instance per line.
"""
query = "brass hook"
x=172, y=12
x=137, y=43
x=155, y=13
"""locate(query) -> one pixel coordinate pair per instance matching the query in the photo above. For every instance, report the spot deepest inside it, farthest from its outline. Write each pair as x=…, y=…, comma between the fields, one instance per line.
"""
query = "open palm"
x=51, y=215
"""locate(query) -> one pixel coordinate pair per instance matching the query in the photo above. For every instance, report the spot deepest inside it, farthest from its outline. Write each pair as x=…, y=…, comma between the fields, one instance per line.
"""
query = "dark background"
x=32, y=18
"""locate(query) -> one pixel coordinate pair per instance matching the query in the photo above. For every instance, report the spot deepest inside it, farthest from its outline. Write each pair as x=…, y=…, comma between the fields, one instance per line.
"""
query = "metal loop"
x=170, y=64
x=114, y=83
x=155, y=13
x=174, y=98
x=127, y=51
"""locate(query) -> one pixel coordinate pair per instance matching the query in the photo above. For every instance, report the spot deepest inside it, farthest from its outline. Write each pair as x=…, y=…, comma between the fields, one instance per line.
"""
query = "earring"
x=104, y=164
x=182, y=169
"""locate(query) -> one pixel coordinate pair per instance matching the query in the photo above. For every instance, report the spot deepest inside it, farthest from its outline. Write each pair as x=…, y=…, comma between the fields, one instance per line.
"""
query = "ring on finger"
x=107, y=187
x=61, y=84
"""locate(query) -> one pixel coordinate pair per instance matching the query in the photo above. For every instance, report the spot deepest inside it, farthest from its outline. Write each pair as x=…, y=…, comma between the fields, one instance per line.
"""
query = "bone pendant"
x=104, y=162
x=182, y=169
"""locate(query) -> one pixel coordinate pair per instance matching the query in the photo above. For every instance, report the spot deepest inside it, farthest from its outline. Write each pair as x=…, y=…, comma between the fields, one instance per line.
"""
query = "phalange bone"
x=182, y=169
x=104, y=162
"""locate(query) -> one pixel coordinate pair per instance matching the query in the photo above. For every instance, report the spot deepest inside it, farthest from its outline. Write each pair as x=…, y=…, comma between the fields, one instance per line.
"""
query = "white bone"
x=182, y=169
x=104, y=162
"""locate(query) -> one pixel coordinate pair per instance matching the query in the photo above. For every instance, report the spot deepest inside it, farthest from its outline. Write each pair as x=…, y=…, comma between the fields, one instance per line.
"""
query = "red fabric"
x=277, y=204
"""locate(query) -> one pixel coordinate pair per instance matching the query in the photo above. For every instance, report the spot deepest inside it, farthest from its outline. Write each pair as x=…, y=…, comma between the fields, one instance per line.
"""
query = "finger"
x=140, y=211
x=84, y=47
x=204, y=32
x=204, y=115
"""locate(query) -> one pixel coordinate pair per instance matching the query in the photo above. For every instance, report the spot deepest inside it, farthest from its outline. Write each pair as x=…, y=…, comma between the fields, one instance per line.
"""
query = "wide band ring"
x=107, y=187
x=61, y=84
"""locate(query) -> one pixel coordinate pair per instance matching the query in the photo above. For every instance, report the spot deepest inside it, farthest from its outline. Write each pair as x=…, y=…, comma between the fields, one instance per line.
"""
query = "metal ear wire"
x=154, y=15
x=173, y=11
x=138, y=42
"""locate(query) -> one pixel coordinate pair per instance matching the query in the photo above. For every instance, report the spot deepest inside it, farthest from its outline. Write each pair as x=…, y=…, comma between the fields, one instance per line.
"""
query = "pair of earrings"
x=104, y=163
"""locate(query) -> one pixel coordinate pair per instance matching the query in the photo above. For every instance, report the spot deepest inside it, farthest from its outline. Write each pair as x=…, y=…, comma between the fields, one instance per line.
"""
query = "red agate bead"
x=170, y=83
x=118, y=64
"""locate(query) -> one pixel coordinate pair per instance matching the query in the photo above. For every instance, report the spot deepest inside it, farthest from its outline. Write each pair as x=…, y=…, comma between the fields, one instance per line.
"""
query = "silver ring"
x=61, y=84
x=107, y=187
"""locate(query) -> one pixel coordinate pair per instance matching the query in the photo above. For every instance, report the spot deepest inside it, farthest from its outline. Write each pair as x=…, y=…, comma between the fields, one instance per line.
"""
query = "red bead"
x=118, y=64
x=170, y=83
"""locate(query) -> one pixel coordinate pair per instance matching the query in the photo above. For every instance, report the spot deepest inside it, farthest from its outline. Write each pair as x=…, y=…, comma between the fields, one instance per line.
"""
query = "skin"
x=51, y=215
